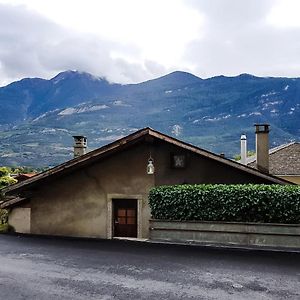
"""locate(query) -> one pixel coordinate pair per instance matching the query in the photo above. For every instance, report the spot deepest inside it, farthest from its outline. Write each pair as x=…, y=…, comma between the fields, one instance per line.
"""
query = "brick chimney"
x=262, y=147
x=80, y=144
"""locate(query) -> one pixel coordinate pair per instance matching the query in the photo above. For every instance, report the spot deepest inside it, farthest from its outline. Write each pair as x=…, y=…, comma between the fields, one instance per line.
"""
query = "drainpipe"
x=262, y=147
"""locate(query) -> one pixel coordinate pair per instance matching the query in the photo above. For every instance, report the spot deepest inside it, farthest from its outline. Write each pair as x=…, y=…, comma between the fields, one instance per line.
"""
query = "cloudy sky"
x=131, y=41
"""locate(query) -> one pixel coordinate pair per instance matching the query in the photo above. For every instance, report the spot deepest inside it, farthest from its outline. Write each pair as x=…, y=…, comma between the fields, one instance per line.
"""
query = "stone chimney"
x=262, y=147
x=243, y=149
x=80, y=144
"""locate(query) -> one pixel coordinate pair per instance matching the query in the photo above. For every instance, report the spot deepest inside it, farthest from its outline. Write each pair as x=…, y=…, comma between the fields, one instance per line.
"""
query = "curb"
x=212, y=246
x=227, y=246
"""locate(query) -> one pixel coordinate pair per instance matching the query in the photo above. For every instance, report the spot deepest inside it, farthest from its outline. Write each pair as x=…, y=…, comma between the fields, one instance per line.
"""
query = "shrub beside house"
x=247, y=215
x=3, y=220
x=229, y=203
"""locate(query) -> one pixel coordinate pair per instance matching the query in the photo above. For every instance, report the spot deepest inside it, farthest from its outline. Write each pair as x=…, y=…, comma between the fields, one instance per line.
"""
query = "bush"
x=231, y=203
x=3, y=216
x=3, y=220
x=4, y=228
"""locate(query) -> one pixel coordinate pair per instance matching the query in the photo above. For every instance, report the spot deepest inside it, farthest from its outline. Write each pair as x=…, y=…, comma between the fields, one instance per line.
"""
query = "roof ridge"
x=280, y=147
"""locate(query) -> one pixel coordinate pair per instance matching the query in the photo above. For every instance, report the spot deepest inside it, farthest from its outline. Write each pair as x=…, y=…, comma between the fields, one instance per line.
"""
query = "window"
x=178, y=161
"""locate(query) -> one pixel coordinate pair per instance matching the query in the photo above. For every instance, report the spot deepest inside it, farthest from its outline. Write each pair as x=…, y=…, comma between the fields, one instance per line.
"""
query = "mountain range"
x=39, y=116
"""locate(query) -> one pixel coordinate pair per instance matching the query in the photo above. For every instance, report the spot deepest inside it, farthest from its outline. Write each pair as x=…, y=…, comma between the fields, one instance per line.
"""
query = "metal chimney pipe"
x=80, y=145
x=243, y=149
x=262, y=147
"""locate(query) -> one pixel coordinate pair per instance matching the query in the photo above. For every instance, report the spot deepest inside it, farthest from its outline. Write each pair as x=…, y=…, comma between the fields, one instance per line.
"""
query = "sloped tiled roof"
x=283, y=160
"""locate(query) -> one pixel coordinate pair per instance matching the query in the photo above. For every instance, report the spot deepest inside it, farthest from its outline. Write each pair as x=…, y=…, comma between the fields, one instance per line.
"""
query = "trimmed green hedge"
x=231, y=203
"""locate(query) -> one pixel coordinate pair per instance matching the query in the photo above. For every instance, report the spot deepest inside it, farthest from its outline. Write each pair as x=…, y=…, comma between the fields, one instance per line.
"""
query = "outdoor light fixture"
x=150, y=166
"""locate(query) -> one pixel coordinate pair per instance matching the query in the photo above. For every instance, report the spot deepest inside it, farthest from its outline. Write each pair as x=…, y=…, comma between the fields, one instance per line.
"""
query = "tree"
x=5, y=178
x=238, y=156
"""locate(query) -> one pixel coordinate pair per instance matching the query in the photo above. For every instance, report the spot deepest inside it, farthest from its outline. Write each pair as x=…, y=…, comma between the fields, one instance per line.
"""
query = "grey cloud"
x=21, y=35
x=234, y=39
x=239, y=40
x=228, y=13
x=155, y=68
x=31, y=45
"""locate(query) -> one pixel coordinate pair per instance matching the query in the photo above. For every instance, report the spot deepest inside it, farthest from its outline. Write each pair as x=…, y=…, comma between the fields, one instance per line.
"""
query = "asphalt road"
x=56, y=268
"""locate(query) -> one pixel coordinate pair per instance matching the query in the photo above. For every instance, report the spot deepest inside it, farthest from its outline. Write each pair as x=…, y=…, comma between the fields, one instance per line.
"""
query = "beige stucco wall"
x=77, y=204
x=19, y=219
x=294, y=179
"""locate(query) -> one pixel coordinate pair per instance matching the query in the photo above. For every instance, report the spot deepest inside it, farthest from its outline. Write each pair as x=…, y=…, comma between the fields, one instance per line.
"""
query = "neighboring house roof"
x=121, y=144
x=283, y=160
x=23, y=176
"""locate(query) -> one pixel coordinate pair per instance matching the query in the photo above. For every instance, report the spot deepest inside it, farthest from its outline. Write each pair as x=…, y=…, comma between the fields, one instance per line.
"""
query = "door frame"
x=110, y=212
x=125, y=230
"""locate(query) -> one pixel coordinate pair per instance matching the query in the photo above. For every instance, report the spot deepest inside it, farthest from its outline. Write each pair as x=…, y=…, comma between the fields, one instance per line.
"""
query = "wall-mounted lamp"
x=150, y=166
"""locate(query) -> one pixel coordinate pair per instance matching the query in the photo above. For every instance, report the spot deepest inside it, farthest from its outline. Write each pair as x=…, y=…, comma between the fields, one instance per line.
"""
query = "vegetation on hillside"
x=249, y=154
x=210, y=113
x=25, y=169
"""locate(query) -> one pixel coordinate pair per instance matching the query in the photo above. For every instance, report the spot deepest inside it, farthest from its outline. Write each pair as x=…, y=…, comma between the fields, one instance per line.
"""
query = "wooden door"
x=125, y=217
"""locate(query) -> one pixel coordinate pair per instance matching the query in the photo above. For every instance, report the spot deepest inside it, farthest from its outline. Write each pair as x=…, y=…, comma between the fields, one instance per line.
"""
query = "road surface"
x=56, y=268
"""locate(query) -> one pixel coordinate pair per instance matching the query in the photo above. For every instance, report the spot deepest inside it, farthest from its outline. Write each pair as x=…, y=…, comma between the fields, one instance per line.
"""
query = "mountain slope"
x=210, y=113
x=31, y=97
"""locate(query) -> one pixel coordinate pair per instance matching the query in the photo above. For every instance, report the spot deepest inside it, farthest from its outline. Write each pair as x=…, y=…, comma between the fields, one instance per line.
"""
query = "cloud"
x=230, y=13
x=21, y=35
x=31, y=45
x=239, y=39
x=141, y=40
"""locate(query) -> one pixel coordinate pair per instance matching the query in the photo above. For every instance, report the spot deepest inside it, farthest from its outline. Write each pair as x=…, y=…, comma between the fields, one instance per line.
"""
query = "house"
x=104, y=193
x=284, y=162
